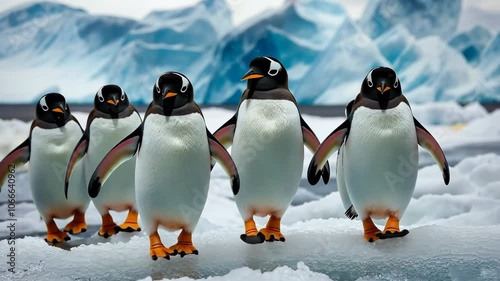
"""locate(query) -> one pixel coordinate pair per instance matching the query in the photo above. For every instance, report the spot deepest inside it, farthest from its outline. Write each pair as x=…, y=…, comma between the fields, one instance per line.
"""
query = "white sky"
x=138, y=9
x=485, y=12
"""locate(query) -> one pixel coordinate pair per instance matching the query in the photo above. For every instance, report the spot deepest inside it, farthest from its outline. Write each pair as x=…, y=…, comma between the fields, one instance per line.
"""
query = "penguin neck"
x=266, y=84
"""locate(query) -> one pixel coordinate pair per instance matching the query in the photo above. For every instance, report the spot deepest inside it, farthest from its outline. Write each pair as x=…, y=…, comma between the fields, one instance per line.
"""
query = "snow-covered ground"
x=453, y=229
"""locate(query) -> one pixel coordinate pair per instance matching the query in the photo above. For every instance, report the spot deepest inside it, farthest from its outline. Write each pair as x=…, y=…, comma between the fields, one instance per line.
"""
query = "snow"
x=453, y=229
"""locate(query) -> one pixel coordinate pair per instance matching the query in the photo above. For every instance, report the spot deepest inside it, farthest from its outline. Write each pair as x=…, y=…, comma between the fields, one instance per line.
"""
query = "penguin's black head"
x=266, y=73
x=172, y=90
x=52, y=108
x=111, y=99
x=381, y=84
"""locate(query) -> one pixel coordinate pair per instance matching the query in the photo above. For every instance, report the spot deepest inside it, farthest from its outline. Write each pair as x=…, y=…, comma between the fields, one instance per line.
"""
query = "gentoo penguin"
x=267, y=135
x=377, y=163
x=174, y=150
x=112, y=119
x=53, y=135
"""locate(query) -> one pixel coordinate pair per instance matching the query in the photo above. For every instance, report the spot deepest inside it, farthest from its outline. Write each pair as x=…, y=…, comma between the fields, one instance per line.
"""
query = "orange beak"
x=113, y=102
x=58, y=110
x=169, y=95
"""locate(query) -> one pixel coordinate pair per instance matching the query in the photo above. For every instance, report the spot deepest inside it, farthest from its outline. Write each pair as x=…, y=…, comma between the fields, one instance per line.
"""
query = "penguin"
x=112, y=119
x=377, y=164
x=267, y=134
x=173, y=150
x=53, y=135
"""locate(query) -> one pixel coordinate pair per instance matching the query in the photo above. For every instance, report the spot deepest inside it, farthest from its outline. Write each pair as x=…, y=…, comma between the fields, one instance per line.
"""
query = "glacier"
x=327, y=53
x=421, y=17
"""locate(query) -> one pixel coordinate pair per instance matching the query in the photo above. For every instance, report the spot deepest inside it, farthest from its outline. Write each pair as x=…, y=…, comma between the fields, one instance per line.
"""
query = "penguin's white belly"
x=381, y=161
x=268, y=151
x=172, y=172
x=49, y=156
x=118, y=192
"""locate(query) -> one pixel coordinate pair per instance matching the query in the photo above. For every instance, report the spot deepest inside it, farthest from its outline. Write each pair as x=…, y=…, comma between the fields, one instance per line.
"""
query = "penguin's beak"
x=114, y=101
x=58, y=110
x=169, y=95
x=252, y=74
x=383, y=87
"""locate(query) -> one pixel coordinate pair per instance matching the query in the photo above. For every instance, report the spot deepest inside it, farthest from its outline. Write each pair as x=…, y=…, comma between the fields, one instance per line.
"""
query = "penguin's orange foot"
x=57, y=237
x=253, y=239
x=129, y=227
x=130, y=224
x=159, y=251
x=392, y=234
x=372, y=236
x=391, y=229
x=271, y=235
x=76, y=227
x=252, y=236
x=371, y=230
x=109, y=230
x=183, y=249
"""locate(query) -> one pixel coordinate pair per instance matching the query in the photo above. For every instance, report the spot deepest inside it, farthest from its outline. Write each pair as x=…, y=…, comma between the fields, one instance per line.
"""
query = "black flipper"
x=225, y=133
x=78, y=153
x=351, y=213
x=219, y=153
x=311, y=141
x=123, y=151
x=17, y=157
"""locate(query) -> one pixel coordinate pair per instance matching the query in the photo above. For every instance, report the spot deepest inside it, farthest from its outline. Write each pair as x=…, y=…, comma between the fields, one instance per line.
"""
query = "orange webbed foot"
x=157, y=249
x=130, y=224
x=184, y=245
x=371, y=231
x=109, y=227
x=272, y=231
x=77, y=225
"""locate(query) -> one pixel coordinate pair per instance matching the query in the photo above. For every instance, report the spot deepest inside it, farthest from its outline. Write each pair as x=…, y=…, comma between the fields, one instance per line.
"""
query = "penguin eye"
x=184, y=89
x=396, y=83
x=369, y=79
x=272, y=72
x=123, y=96
x=43, y=104
x=99, y=95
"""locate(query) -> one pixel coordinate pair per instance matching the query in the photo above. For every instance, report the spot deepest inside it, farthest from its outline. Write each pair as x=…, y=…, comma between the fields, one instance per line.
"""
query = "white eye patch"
x=396, y=81
x=185, y=83
x=274, y=67
x=99, y=95
x=43, y=104
x=123, y=94
x=157, y=84
x=369, y=79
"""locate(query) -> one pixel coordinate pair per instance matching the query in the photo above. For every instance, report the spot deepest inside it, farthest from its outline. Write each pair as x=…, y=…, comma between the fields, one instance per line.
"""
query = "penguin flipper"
x=427, y=141
x=219, y=153
x=327, y=148
x=78, y=153
x=123, y=151
x=312, y=143
x=341, y=186
x=17, y=157
x=225, y=133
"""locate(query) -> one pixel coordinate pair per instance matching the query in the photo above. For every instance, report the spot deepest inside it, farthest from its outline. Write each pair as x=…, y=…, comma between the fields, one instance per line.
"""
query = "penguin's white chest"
x=381, y=160
x=49, y=156
x=172, y=171
x=118, y=191
x=269, y=153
